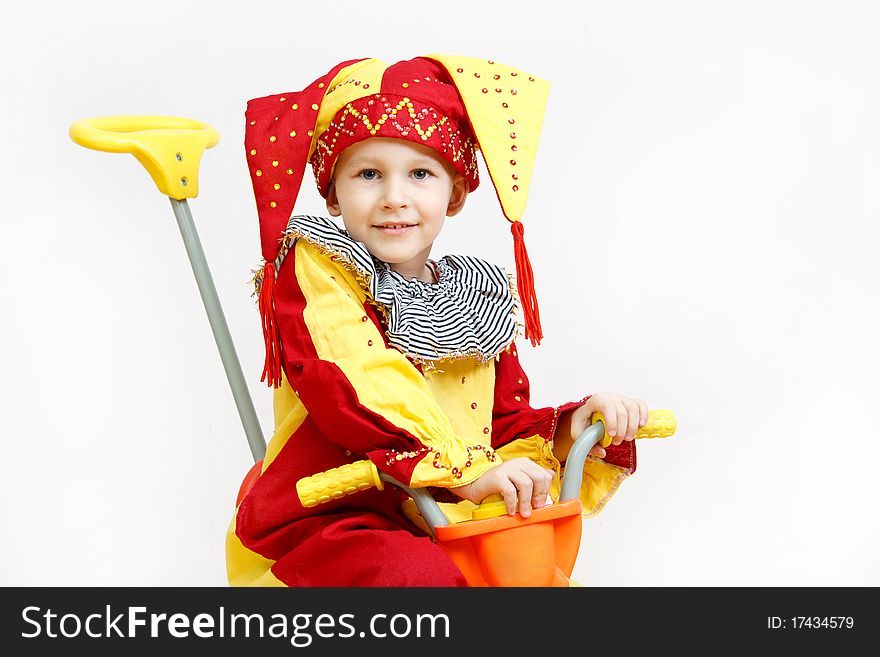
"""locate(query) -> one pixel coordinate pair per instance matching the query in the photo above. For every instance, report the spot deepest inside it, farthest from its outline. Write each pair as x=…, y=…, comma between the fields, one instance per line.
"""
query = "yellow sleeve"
x=363, y=395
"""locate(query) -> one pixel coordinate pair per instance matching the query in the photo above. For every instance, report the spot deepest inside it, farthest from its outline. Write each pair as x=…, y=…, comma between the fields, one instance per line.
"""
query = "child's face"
x=381, y=181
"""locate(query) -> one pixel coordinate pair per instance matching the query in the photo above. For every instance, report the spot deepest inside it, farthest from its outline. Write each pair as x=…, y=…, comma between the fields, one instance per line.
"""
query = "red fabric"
x=512, y=418
x=525, y=285
x=365, y=549
x=275, y=116
x=359, y=540
x=271, y=339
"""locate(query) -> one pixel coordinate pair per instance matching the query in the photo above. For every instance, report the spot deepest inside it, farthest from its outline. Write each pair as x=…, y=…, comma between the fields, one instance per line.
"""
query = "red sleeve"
x=512, y=415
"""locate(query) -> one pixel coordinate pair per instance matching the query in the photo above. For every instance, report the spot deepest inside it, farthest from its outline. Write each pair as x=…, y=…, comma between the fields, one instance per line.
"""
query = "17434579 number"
x=810, y=622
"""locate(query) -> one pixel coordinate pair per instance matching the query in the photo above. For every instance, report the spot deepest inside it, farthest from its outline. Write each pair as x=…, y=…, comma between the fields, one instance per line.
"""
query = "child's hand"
x=623, y=418
x=521, y=482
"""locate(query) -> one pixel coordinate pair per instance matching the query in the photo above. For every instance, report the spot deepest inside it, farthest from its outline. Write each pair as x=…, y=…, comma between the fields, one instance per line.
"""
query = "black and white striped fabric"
x=469, y=312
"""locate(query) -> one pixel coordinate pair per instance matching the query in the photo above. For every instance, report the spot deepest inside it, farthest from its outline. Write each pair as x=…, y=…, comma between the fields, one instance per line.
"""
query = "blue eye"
x=368, y=174
x=421, y=174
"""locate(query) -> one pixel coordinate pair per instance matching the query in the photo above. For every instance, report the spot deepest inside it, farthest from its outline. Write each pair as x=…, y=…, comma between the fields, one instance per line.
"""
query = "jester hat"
x=455, y=105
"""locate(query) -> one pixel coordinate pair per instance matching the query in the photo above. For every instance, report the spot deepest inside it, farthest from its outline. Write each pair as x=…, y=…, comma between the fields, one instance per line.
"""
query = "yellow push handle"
x=337, y=482
x=660, y=424
x=169, y=147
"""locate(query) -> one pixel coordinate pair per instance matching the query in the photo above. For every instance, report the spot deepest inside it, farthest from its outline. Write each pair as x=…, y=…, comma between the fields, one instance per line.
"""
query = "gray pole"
x=574, y=463
x=221, y=330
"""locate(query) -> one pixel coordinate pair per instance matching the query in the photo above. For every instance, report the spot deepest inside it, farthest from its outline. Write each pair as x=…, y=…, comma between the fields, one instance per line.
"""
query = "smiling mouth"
x=395, y=228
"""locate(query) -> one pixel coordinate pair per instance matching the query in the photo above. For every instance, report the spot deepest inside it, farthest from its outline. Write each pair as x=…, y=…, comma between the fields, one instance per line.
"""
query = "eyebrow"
x=364, y=160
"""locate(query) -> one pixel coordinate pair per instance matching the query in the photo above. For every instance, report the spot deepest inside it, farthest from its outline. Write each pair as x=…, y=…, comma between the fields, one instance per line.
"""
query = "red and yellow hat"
x=455, y=105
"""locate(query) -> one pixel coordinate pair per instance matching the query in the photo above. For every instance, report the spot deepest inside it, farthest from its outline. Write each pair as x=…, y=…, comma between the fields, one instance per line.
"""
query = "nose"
x=394, y=194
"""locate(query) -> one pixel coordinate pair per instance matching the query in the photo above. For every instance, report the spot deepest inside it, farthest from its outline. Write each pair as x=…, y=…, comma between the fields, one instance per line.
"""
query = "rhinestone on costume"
x=513, y=148
x=504, y=105
x=276, y=186
x=369, y=343
x=314, y=106
x=513, y=162
x=259, y=172
x=320, y=85
x=460, y=70
x=274, y=163
x=273, y=204
x=519, y=380
x=282, y=99
x=462, y=379
x=474, y=405
x=364, y=318
x=295, y=106
x=515, y=188
x=485, y=91
x=289, y=172
x=273, y=138
x=253, y=151
x=517, y=398
x=293, y=133
x=485, y=429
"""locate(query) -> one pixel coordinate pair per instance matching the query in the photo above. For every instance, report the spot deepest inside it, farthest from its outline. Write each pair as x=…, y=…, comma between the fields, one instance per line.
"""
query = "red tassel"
x=272, y=366
x=525, y=283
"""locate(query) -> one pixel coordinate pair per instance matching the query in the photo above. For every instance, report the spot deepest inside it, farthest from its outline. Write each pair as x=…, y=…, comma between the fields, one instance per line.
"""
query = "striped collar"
x=469, y=312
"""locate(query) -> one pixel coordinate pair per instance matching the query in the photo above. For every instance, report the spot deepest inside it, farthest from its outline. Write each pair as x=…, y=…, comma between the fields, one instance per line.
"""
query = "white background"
x=701, y=222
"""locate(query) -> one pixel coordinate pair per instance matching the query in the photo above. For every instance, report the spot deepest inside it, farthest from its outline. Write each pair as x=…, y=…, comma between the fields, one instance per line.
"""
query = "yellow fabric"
x=601, y=480
x=289, y=414
x=383, y=379
x=246, y=568
x=342, y=91
x=459, y=384
x=526, y=98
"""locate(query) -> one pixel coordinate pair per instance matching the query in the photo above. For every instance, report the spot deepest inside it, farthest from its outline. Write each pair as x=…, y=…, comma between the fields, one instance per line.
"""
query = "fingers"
x=598, y=451
x=623, y=417
x=527, y=487
x=542, y=488
x=524, y=489
x=632, y=420
x=509, y=493
x=643, y=412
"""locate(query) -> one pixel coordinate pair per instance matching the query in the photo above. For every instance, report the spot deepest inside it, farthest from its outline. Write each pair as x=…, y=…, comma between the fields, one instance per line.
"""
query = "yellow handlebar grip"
x=338, y=482
x=170, y=148
x=660, y=424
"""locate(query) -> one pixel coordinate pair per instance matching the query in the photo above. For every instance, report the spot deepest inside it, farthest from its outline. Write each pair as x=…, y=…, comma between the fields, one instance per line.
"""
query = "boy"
x=378, y=352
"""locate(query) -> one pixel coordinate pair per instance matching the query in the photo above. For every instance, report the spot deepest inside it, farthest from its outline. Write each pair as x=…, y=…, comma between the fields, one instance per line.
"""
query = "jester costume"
x=423, y=379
